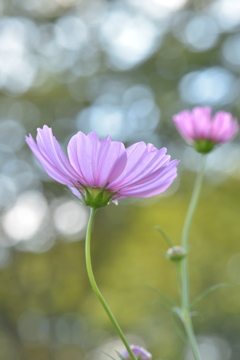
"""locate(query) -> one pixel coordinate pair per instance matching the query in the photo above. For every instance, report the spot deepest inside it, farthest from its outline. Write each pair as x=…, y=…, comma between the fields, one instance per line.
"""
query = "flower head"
x=138, y=351
x=202, y=131
x=99, y=171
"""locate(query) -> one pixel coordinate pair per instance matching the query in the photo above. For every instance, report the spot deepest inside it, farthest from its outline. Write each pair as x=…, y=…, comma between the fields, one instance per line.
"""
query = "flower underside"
x=202, y=130
x=204, y=146
x=95, y=197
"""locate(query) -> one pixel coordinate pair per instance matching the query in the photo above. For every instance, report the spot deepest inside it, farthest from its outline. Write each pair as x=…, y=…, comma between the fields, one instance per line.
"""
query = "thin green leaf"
x=163, y=254
x=120, y=356
x=197, y=313
x=166, y=238
x=207, y=291
x=108, y=355
x=178, y=311
x=166, y=298
x=165, y=306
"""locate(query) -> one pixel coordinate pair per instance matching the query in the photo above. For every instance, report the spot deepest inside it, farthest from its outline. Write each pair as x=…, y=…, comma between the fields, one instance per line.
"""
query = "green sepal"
x=204, y=146
x=95, y=197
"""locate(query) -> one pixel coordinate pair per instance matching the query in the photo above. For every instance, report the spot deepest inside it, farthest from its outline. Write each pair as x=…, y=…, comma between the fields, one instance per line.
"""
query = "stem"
x=179, y=275
x=95, y=287
x=184, y=263
x=191, y=336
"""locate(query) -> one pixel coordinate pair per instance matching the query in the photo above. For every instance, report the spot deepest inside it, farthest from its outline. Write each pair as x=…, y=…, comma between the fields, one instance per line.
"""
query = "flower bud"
x=176, y=253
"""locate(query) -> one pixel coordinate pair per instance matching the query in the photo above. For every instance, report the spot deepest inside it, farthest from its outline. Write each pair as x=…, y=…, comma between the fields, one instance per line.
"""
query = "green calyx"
x=204, y=146
x=96, y=197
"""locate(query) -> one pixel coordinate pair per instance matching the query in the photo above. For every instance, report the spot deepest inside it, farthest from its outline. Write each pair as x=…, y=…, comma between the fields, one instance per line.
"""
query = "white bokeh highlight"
x=70, y=218
x=23, y=219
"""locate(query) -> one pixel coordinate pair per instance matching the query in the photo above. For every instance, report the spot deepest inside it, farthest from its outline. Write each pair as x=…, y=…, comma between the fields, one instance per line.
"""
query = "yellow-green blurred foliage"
x=127, y=256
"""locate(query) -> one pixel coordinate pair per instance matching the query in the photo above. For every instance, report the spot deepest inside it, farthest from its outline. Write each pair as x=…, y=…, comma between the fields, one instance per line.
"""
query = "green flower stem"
x=95, y=287
x=186, y=317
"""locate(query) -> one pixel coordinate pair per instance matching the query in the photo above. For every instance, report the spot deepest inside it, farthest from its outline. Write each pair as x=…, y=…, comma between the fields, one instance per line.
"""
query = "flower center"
x=204, y=146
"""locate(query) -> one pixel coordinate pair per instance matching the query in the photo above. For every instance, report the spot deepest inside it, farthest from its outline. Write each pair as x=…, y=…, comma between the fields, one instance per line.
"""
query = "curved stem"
x=95, y=287
x=184, y=263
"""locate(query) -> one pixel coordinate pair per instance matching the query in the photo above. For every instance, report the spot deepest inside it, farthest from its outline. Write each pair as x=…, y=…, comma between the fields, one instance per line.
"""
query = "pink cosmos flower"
x=100, y=171
x=138, y=351
x=202, y=131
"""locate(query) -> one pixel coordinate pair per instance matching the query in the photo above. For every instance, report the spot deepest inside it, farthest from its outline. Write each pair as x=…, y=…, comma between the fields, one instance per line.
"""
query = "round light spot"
x=23, y=220
x=231, y=51
x=200, y=33
x=70, y=218
x=71, y=32
x=128, y=39
x=211, y=86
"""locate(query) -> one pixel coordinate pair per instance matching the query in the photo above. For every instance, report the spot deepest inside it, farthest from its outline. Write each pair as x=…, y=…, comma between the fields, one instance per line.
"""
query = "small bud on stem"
x=176, y=253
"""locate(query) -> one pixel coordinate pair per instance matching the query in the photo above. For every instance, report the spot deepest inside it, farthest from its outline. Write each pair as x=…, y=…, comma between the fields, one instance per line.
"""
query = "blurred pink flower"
x=138, y=351
x=92, y=165
x=202, y=131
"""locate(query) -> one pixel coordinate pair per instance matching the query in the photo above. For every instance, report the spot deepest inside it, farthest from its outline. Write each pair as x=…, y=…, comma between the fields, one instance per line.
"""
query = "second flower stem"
x=95, y=287
x=186, y=316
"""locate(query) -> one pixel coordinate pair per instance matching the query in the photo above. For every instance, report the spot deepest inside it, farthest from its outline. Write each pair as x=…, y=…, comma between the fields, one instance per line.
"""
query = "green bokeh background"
x=127, y=257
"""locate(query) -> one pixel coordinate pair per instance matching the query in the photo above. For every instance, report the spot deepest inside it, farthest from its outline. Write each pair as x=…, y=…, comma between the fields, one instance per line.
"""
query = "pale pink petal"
x=153, y=184
x=112, y=160
x=49, y=146
x=201, y=120
x=51, y=166
x=184, y=124
x=142, y=160
x=224, y=127
x=81, y=153
x=99, y=162
x=135, y=155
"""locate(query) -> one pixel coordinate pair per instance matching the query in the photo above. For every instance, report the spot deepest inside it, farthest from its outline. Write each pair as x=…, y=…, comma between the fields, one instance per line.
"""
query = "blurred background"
x=120, y=68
